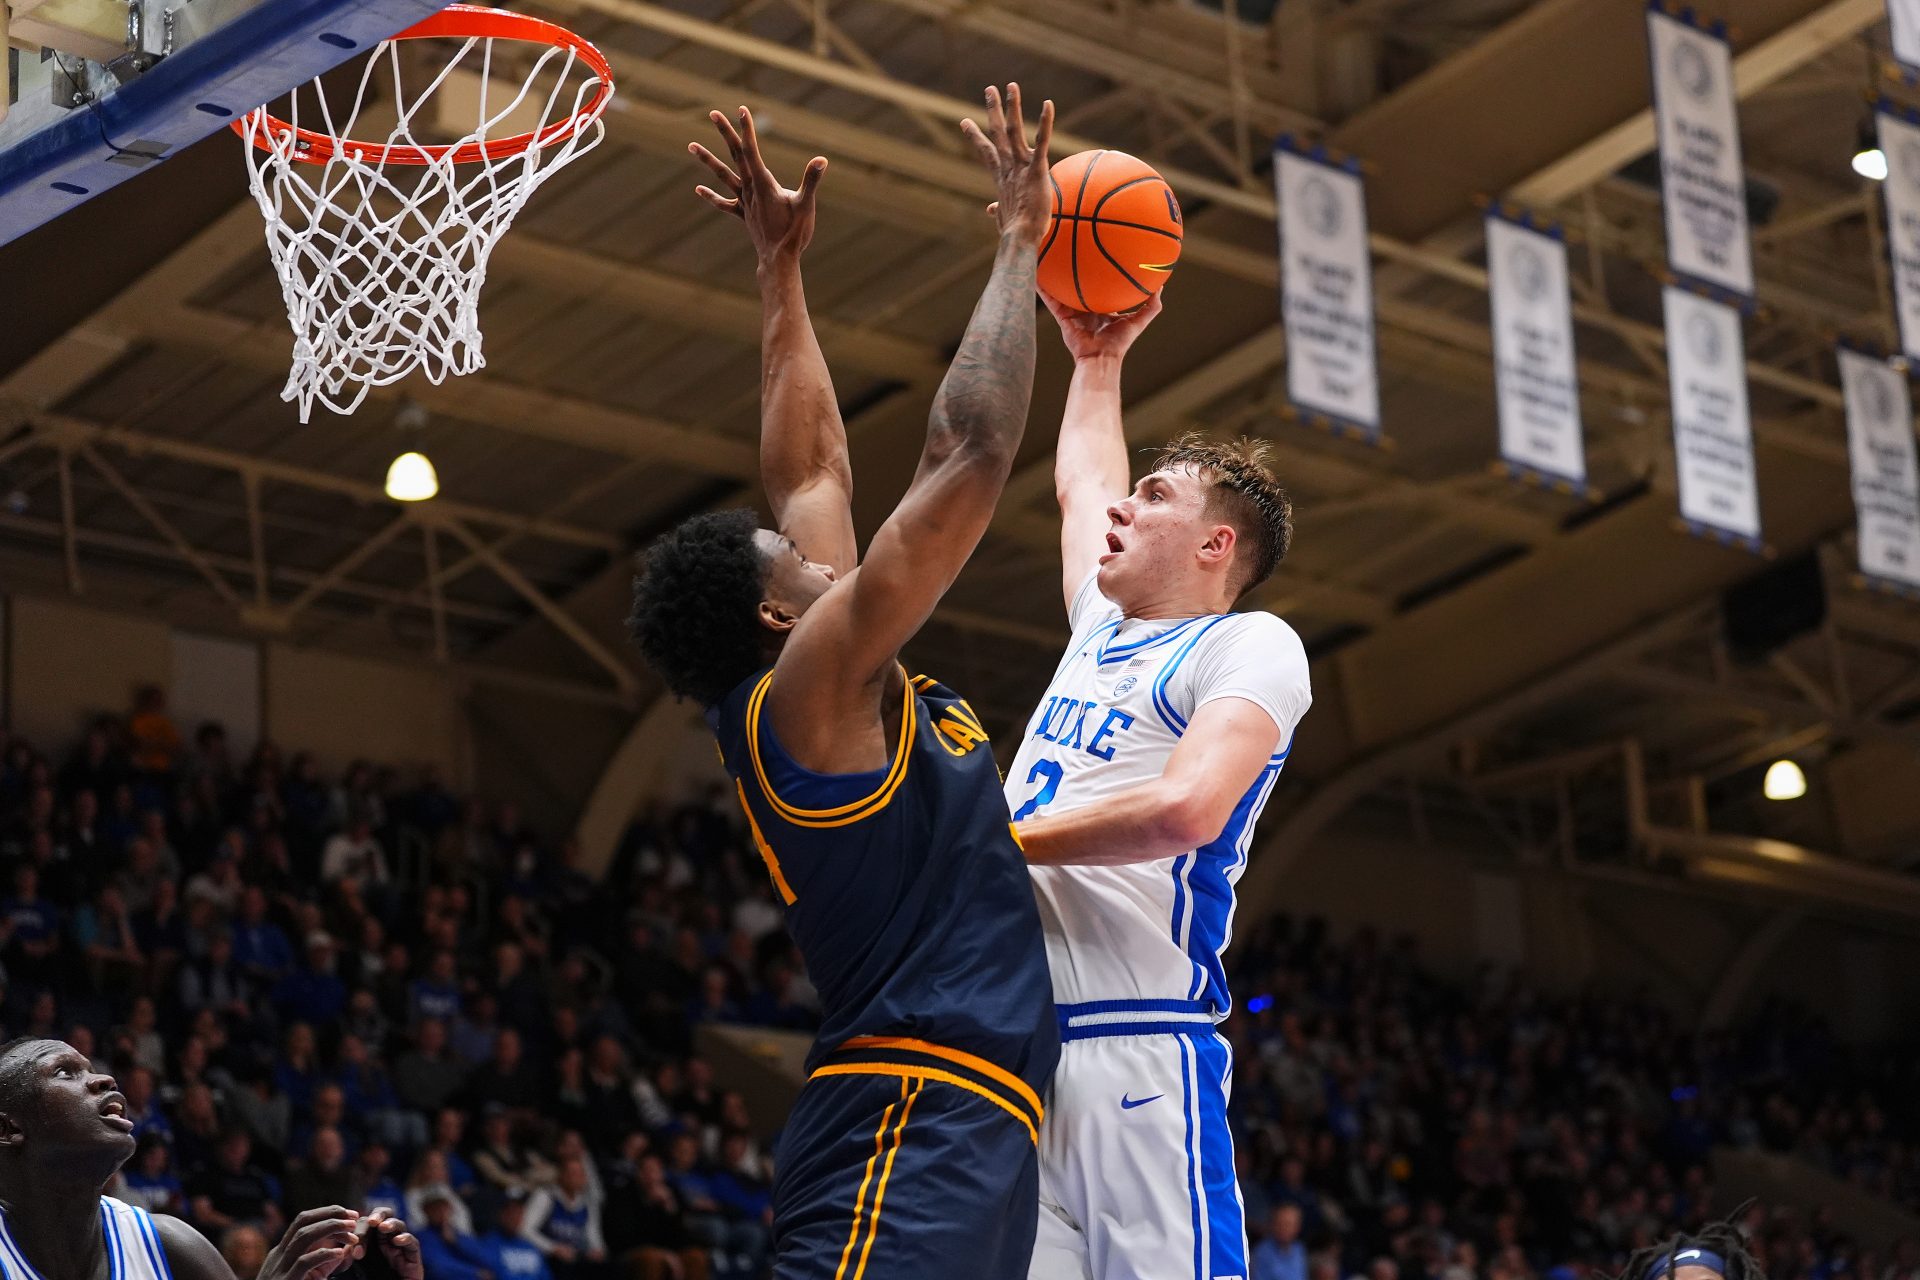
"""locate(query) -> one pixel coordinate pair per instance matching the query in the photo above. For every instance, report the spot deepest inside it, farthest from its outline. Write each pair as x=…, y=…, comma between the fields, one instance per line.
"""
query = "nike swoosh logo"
x=1128, y=1104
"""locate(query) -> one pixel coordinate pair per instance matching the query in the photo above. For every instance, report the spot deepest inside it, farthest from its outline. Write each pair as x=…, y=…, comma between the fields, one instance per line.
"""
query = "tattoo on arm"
x=983, y=399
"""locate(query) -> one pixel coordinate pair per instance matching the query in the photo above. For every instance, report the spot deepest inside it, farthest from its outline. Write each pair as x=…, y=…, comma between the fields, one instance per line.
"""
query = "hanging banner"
x=1712, y=436
x=1903, y=20
x=1703, y=185
x=1886, y=484
x=1533, y=363
x=1899, y=138
x=1326, y=289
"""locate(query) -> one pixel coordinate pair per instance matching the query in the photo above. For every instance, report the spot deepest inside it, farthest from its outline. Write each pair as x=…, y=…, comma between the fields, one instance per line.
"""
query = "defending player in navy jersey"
x=64, y=1133
x=873, y=797
x=1135, y=791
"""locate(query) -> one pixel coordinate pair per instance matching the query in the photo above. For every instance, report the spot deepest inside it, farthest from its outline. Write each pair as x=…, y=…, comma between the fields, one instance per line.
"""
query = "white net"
x=382, y=252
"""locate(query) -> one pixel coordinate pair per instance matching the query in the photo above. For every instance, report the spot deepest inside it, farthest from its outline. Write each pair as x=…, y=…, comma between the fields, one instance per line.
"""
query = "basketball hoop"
x=382, y=247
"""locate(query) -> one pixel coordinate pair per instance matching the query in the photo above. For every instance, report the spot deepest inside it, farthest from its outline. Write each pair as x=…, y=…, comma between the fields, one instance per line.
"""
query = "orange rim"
x=457, y=22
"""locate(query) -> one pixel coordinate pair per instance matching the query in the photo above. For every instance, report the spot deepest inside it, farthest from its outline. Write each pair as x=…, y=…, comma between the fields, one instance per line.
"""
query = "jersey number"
x=1041, y=769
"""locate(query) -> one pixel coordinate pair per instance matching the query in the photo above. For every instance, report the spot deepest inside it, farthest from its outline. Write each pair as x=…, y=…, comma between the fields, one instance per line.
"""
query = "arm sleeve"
x=595, y=1241
x=539, y=1205
x=1254, y=656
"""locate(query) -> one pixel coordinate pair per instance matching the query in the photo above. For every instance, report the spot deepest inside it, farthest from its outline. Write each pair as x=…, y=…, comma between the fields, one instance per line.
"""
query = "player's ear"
x=1218, y=548
x=777, y=617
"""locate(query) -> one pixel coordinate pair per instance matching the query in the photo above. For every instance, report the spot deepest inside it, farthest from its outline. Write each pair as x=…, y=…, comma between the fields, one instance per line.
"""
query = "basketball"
x=1115, y=234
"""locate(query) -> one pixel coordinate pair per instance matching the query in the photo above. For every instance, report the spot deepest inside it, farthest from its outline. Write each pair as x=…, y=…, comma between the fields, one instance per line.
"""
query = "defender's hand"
x=1091, y=337
x=319, y=1243
x=1025, y=207
x=397, y=1246
x=779, y=219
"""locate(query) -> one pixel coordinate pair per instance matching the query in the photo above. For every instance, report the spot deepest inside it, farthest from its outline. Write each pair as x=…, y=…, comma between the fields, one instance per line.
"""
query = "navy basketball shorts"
x=904, y=1160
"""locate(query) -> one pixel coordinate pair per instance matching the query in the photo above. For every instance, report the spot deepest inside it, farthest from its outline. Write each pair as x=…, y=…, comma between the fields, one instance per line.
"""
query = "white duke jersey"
x=1120, y=700
x=134, y=1250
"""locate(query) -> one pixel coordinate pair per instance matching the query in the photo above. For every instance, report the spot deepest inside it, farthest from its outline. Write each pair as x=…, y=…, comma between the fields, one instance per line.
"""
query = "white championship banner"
x=1712, y=436
x=1535, y=380
x=1900, y=142
x=1326, y=290
x=1886, y=484
x=1703, y=185
x=1903, y=19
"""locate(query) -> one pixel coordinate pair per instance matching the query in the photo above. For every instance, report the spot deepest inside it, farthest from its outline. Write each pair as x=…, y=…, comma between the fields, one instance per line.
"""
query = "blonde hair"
x=1244, y=494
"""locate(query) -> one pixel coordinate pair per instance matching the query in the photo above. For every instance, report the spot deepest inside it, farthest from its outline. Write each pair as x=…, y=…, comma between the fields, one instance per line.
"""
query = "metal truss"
x=947, y=189
x=1625, y=795
x=1215, y=86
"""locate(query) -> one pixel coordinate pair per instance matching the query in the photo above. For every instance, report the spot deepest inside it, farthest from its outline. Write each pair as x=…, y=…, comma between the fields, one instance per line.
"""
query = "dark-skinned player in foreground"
x=64, y=1133
x=873, y=797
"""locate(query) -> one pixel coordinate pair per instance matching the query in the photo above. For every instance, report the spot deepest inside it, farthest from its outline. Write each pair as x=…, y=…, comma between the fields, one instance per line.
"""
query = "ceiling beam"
x=241, y=566
x=156, y=309
x=962, y=176
x=75, y=430
x=1104, y=42
x=562, y=621
x=692, y=304
x=477, y=398
x=1754, y=69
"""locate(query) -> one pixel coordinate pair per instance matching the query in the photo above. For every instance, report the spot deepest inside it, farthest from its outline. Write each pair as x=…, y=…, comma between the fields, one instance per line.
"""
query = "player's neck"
x=1174, y=605
x=55, y=1221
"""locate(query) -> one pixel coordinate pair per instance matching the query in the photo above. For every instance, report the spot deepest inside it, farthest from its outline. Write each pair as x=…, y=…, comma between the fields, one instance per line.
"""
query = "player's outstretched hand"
x=1025, y=205
x=320, y=1243
x=1091, y=337
x=396, y=1246
x=779, y=219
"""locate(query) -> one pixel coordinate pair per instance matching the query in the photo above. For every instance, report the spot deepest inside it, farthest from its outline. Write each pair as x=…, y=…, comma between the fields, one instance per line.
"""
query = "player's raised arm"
x=851, y=636
x=803, y=443
x=1090, y=470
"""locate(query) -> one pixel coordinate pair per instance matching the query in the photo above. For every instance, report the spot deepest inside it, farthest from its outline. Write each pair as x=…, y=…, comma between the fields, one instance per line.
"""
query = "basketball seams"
x=1119, y=222
x=1098, y=290
x=1124, y=273
x=1053, y=228
x=1100, y=204
x=1079, y=198
x=1111, y=192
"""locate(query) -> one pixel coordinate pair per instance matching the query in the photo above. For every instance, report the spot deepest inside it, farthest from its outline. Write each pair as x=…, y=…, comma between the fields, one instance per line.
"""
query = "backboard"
x=100, y=90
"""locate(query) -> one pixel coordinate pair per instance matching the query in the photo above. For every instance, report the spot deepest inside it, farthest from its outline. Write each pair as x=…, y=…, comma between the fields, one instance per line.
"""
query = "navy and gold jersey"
x=905, y=891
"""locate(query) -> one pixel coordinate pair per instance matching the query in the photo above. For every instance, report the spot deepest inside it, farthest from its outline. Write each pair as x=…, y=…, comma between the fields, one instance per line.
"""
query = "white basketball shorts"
x=1136, y=1162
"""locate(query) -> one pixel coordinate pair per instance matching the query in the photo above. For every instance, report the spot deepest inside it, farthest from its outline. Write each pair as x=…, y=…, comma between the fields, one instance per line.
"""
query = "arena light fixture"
x=1785, y=781
x=1869, y=161
x=412, y=478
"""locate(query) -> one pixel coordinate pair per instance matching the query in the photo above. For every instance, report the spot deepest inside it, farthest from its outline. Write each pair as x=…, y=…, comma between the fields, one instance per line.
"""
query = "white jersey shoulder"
x=134, y=1249
x=1117, y=706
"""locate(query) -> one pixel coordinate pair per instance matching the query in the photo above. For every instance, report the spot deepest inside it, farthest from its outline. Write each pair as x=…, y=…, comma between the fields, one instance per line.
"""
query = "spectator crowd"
x=1397, y=1126
x=365, y=989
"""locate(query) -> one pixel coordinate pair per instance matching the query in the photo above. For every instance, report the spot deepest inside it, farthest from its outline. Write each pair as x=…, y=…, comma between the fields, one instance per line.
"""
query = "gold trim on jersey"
x=766, y=850
x=840, y=815
x=907, y=1098
x=924, y=1073
x=957, y=728
x=913, y=1059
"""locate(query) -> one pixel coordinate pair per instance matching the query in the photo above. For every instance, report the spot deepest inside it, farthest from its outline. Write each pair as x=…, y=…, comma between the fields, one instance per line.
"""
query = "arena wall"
x=66, y=663
x=1685, y=946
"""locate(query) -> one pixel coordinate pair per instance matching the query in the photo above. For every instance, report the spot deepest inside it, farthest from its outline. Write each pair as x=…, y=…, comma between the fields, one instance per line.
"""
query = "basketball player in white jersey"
x=64, y=1133
x=1134, y=794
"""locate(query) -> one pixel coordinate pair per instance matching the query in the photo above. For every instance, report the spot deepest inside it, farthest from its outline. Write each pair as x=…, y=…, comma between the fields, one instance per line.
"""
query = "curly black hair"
x=17, y=1082
x=1660, y=1261
x=696, y=605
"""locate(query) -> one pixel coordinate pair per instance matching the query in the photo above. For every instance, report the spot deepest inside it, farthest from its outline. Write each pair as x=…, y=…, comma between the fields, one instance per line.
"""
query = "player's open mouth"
x=1113, y=547
x=114, y=1112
